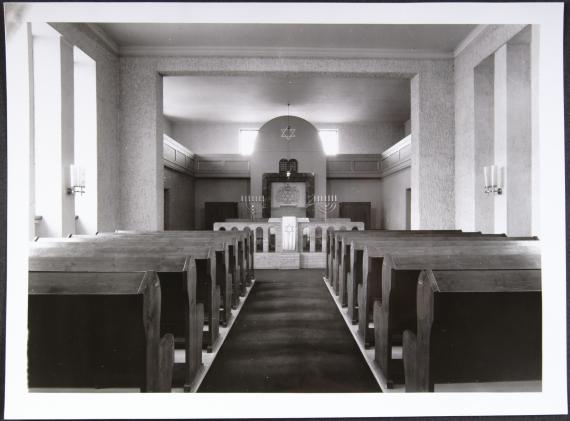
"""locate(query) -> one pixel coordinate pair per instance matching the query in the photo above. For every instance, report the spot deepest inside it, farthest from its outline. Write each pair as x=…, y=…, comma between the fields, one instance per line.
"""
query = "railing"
x=311, y=236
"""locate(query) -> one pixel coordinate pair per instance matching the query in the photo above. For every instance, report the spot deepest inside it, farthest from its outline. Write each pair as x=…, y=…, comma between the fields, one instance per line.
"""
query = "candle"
x=72, y=178
x=486, y=176
x=82, y=176
x=493, y=176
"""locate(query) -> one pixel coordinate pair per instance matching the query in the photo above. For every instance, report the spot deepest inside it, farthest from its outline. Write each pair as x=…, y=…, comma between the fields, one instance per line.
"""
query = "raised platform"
x=289, y=260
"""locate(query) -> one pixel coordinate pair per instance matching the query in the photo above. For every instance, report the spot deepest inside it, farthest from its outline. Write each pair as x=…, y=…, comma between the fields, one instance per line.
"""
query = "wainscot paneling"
x=222, y=166
x=177, y=157
x=393, y=159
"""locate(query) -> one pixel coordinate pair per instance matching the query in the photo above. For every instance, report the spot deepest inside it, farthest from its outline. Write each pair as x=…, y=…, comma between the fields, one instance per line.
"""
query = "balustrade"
x=311, y=238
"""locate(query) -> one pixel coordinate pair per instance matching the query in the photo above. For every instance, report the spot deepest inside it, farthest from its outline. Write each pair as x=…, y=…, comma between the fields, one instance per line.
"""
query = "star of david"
x=287, y=133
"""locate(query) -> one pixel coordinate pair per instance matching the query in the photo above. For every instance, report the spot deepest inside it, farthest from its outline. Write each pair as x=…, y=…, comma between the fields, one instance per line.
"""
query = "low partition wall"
x=311, y=241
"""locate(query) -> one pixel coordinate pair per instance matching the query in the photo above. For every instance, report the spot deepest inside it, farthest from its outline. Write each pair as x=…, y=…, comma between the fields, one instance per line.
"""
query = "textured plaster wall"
x=216, y=138
x=432, y=181
x=393, y=200
x=107, y=64
x=218, y=190
x=141, y=137
x=518, y=169
x=432, y=148
x=181, y=193
x=484, y=143
x=500, y=139
x=359, y=190
x=465, y=179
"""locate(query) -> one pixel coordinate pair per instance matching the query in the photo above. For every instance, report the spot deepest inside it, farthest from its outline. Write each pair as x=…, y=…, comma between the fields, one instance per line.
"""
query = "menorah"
x=251, y=203
x=325, y=203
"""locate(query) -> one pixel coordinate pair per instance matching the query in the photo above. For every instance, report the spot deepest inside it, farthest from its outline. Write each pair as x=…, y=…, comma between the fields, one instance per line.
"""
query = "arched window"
x=222, y=229
x=259, y=239
x=234, y=229
x=306, y=239
x=354, y=228
x=271, y=239
x=318, y=239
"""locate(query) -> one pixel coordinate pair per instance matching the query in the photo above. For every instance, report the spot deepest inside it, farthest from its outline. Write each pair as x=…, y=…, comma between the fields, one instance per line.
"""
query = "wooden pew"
x=343, y=264
x=217, y=266
x=349, y=243
x=338, y=237
x=332, y=244
x=181, y=315
x=204, y=256
x=97, y=330
x=396, y=312
x=474, y=326
x=365, y=286
x=243, y=254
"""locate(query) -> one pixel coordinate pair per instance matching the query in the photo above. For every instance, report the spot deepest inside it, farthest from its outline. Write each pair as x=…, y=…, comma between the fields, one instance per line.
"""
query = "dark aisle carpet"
x=289, y=337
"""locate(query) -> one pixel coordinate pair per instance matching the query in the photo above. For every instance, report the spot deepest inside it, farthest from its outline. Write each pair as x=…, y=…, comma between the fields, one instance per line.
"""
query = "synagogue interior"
x=229, y=207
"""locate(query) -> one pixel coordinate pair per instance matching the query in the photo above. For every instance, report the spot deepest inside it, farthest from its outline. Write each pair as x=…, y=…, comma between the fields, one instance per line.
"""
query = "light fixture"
x=76, y=179
x=288, y=133
x=493, y=176
x=329, y=140
x=247, y=141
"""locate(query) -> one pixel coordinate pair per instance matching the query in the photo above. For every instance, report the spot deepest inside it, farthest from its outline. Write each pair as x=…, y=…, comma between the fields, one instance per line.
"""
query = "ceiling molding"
x=290, y=52
x=103, y=37
x=469, y=39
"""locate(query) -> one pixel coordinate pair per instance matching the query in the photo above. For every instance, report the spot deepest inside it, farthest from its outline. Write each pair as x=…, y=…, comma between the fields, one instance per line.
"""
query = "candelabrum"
x=326, y=204
x=252, y=203
x=493, y=179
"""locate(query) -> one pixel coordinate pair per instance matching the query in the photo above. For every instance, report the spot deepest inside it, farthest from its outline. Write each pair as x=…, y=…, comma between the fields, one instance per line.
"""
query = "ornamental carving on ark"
x=288, y=195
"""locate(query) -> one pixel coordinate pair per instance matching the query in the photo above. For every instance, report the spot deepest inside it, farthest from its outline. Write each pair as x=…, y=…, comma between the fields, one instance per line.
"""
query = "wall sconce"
x=493, y=179
x=76, y=179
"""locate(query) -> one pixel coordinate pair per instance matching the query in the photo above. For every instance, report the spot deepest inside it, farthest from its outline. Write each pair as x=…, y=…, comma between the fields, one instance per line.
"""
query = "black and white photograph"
x=283, y=210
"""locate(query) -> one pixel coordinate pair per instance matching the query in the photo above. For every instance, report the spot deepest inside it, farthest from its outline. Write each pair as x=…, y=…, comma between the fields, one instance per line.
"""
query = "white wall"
x=53, y=128
x=505, y=113
x=181, y=196
x=305, y=147
x=393, y=199
x=212, y=138
x=107, y=119
x=359, y=190
x=217, y=190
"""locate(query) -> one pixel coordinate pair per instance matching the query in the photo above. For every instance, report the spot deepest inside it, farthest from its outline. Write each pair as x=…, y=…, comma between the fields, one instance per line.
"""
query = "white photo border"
x=19, y=404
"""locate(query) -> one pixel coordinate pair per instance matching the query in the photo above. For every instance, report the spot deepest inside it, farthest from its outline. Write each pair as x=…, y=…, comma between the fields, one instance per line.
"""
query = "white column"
x=535, y=142
x=500, y=150
x=140, y=142
x=53, y=128
x=433, y=167
x=513, y=144
x=483, y=144
x=519, y=144
x=85, y=150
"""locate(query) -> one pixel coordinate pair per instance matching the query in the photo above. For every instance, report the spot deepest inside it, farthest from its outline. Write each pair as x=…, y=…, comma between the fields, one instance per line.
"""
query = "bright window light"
x=329, y=139
x=247, y=141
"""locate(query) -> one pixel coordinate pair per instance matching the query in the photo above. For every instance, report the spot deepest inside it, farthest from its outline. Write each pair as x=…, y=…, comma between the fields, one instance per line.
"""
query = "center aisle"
x=289, y=337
